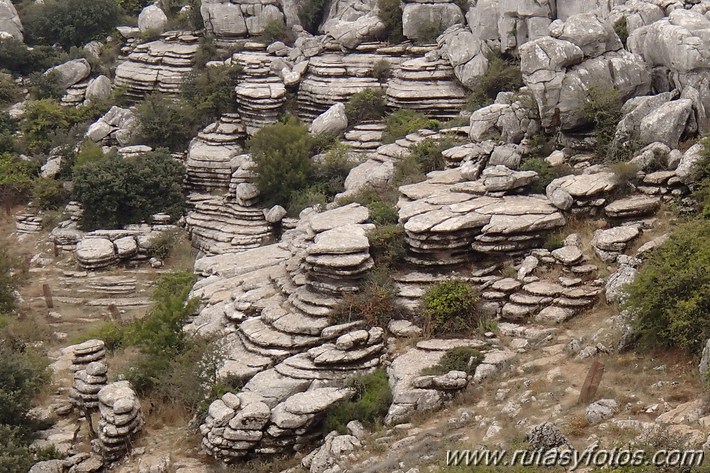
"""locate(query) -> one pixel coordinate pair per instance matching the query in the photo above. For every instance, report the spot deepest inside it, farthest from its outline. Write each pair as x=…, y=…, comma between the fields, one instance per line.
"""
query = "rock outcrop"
x=10, y=24
x=158, y=66
x=121, y=419
x=229, y=19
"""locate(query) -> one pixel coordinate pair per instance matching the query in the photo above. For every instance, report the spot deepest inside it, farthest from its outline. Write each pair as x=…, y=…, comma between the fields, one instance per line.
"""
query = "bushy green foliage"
x=21, y=60
x=162, y=245
x=457, y=359
x=112, y=333
x=428, y=153
x=49, y=194
x=282, y=154
x=89, y=152
x=69, y=22
x=622, y=30
x=276, y=30
x=387, y=245
x=166, y=123
x=8, y=127
x=382, y=213
x=115, y=192
x=670, y=298
x=403, y=122
x=428, y=32
x=366, y=105
x=211, y=92
x=390, y=12
x=381, y=70
x=46, y=86
x=554, y=241
x=503, y=74
x=45, y=119
x=10, y=92
x=15, y=455
x=545, y=173
x=376, y=303
x=369, y=405
x=159, y=335
x=16, y=177
x=449, y=307
x=206, y=52
x=9, y=280
x=133, y=6
x=603, y=109
x=311, y=14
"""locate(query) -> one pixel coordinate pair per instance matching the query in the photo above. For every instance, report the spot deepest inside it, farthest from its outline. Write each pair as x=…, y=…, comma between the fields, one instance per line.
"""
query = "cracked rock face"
x=10, y=24
x=226, y=19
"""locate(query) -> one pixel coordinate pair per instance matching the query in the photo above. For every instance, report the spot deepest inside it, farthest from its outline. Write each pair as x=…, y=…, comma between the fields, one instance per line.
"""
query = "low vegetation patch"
x=603, y=109
x=115, y=191
x=369, y=405
x=503, y=75
x=390, y=12
x=376, y=302
x=367, y=105
x=670, y=299
x=403, y=122
x=449, y=307
x=457, y=359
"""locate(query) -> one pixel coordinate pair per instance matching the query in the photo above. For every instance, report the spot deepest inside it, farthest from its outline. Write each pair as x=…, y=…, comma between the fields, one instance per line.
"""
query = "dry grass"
x=577, y=425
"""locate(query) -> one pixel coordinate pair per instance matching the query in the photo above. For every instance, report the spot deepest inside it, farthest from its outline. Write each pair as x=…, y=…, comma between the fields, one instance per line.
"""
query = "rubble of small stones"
x=121, y=419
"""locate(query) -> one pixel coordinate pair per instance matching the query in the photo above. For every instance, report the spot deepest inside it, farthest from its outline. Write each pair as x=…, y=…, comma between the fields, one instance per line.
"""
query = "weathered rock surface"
x=121, y=419
x=152, y=19
x=10, y=24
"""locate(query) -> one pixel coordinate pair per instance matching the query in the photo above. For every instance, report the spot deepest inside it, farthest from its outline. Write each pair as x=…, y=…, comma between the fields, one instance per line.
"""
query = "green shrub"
x=387, y=245
x=503, y=74
x=15, y=455
x=22, y=375
x=369, y=405
x=166, y=123
x=603, y=109
x=45, y=86
x=49, y=194
x=428, y=32
x=69, y=22
x=457, y=359
x=115, y=191
x=381, y=70
x=308, y=197
x=276, y=30
x=330, y=173
x=206, y=52
x=9, y=281
x=382, y=213
x=449, y=307
x=8, y=127
x=366, y=105
x=376, y=303
x=133, y=7
x=23, y=61
x=211, y=92
x=46, y=123
x=10, y=92
x=626, y=173
x=554, y=241
x=89, y=152
x=545, y=173
x=16, y=177
x=670, y=298
x=282, y=154
x=112, y=333
x=163, y=244
x=622, y=30
x=311, y=15
x=428, y=153
x=403, y=122
x=390, y=12
x=159, y=335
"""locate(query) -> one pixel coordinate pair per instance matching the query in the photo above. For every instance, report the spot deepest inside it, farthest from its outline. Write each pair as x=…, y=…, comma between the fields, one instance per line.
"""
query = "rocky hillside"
x=348, y=236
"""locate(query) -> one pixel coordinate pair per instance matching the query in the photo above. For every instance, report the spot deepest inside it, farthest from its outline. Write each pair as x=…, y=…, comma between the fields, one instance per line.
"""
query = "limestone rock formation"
x=152, y=19
x=231, y=19
x=158, y=66
x=419, y=19
x=350, y=22
x=121, y=419
x=118, y=126
x=88, y=381
x=10, y=24
x=331, y=122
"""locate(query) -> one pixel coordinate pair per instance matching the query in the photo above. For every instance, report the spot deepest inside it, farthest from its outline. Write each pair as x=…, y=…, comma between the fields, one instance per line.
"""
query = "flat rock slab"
x=340, y=217
x=614, y=239
x=634, y=206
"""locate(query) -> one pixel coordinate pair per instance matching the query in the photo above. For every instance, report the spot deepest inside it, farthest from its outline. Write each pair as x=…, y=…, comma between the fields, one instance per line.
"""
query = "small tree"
x=282, y=154
x=449, y=307
x=603, y=109
x=390, y=12
x=166, y=122
x=15, y=180
x=69, y=22
x=366, y=105
x=503, y=74
x=115, y=192
x=670, y=298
